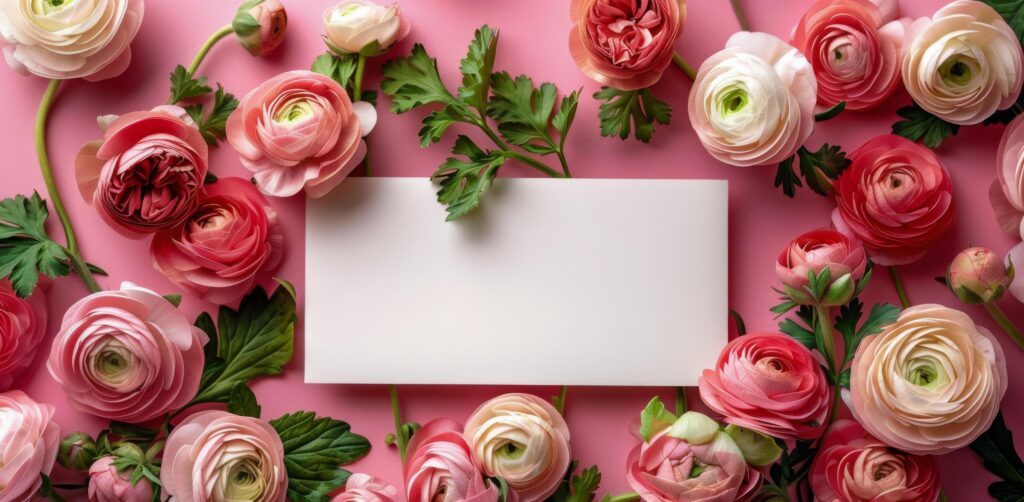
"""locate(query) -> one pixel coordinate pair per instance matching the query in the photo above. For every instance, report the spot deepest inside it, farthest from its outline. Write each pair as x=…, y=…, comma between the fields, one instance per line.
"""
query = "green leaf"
x=184, y=86
x=1012, y=12
x=476, y=68
x=313, y=450
x=566, y=115
x=95, y=269
x=244, y=24
x=173, y=299
x=242, y=401
x=1005, y=116
x=338, y=68
x=787, y=178
x=798, y=333
x=821, y=167
x=919, y=125
x=503, y=488
x=213, y=125
x=626, y=111
x=995, y=447
x=578, y=488
x=413, y=81
x=463, y=181
x=437, y=123
x=846, y=323
x=741, y=327
x=831, y=112
x=524, y=112
x=25, y=249
x=256, y=340
x=654, y=418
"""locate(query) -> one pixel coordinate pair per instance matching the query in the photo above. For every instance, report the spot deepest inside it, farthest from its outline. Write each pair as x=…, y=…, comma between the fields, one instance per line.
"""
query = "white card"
x=549, y=282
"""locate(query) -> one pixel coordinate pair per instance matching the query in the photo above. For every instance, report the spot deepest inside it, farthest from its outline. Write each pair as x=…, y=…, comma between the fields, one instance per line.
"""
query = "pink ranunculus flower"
x=29, y=439
x=855, y=48
x=271, y=24
x=107, y=484
x=623, y=43
x=215, y=455
x=22, y=328
x=145, y=174
x=896, y=197
x=852, y=466
x=815, y=251
x=70, y=39
x=231, y=237
x=930, y=383
x=363, y=27
x=297, y=131
x=769, y=383
x=1015, y=258
x=366, y=488
x=977, y=275
x=439, y=466
x=522, y=439
x=127, y=355
x=1007, y=193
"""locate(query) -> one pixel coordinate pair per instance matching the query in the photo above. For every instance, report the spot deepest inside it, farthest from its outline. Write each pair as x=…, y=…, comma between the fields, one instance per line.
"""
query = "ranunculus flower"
x=297, y=130
x=522, y=439
x=623, y=43
x=815, y=251
x=852, y=466
x=1007, y=193
x=127, y=355
x=930, y=383
x=215, y=455
x=145, y=174
x=366, y=488
x=22, y=328
x=361, y=26
x=439, y=466
x=28, y=445
x=769, y=383
x=697, y=463
x=1015, y=258
x=964, y=63
x=64, y=39
x=753, y=102
x=260, y=25
x=855, y=49
x=896, y=197
x=217, y=253
x=977, y=275
x=106, y=484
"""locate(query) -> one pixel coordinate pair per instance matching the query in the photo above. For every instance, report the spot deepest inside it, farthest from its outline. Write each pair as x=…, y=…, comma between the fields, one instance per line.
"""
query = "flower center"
x=243, y=480
x=697, y=469
x=294, y=111
x=927, y=373
x=46, y=7
x=512, y=450
x=733, y=101
x=956, y=71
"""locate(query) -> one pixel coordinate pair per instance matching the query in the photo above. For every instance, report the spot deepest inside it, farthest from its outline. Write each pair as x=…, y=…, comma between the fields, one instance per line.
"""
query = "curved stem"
x=565, y=164
x=826, y=341
x=357, y=80
x=396, y=412
x=740, y=16
x=1005, y=323
x=205, y=49
x=683, y=65
x=901, y=291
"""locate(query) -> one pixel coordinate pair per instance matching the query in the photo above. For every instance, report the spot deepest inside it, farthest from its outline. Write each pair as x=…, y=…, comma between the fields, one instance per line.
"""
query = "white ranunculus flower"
x=353, y=25
x=964, y=63
x=64, y=39
x=753, y=102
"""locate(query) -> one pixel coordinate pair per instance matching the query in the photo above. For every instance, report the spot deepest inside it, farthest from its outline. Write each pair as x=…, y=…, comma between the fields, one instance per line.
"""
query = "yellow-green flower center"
x=294, y=111
x=243, y=481
x=512, y=450
x=927, y=372
x=956, y=71
x=732, y=101
x=46, y=7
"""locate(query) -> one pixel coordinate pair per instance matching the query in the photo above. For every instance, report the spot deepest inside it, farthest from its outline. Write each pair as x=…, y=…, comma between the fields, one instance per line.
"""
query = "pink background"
x=533, y=40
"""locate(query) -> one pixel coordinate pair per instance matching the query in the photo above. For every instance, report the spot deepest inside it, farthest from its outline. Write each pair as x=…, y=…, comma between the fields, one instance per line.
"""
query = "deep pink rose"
x=852, y=466
x=769, y=383
x=366, y=488
x=217, y=253
x=820, y=249
x=127, y=355
x=29, y=439
x=625, y=44
x=145, y=174
x=439, y=466
x=855, y=49
x=896, y=197
x=22, y=328
x=297, y=131
x=272, y=23
x=215, y=455
x=106, y=484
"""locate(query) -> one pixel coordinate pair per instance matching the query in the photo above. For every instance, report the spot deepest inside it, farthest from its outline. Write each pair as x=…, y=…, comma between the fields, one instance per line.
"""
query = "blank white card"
x=549, y=282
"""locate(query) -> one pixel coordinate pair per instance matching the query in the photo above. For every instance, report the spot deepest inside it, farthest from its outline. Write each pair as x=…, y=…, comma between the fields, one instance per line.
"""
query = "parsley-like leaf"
x=413, y=81
x=636, y=111
x=436, y=123
x=817, y=168
x=338, y=68
x=213, y=125
x=799, y=333
x=919, y=125
x=463, y=181
x=524, y=112
x=476, y=68
x=25, y=248
x=314, y=448
x=582, y=487
x=849, y=318
x=995, y=447
x=787, y=178
x=185, y=86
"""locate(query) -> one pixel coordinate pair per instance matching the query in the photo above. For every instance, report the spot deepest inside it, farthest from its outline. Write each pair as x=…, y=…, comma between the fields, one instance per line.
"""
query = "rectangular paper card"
x=549, y=282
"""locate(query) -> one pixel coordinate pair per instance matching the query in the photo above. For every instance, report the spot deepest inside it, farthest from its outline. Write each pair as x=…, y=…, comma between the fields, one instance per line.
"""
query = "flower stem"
x=680, y=401
x=357, y=80
x=625, y=497
x=205, y=49
x=400, y=438
x=683, y=65
x=561, y=400
x=512, y=154
x=1005, y=323
x=740, y=16
x=74, y=255
x=901, y=291
x=823, y=333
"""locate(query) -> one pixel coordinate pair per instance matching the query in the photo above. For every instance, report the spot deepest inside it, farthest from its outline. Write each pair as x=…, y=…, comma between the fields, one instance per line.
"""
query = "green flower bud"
x=77, y=452
x=758, y=449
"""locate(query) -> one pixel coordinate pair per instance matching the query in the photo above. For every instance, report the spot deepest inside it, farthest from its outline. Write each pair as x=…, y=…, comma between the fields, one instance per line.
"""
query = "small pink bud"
x=260, y=25
x=977, y=276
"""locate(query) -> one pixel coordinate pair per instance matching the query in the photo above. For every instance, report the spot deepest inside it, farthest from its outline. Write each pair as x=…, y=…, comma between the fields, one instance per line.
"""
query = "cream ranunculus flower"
x=523, y=440
x=64, y=39
x=361, y=26
x=964, y=63
x=753, y=102
x=930, y=383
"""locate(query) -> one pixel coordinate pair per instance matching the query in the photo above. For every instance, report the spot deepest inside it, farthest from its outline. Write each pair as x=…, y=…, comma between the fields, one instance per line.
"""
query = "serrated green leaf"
x=413, y=81
x=820, y=167
x=566, y=114
x=476, y=68
x=584, y=485
x=631, y=111
x=787, y=178
x=654, y=418
x=437, y=123
x=242, y=401
x=523, y=112
x=213, y=125
x=919, y=125
x=996, y=449
x=798, y=333
x=338, y=68
x=25, y=248
x=185, y=86
x=464, y=181
x=314, y=448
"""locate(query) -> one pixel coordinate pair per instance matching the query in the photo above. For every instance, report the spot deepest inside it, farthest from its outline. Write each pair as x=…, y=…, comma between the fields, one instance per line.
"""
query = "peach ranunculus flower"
x=439, y=466
x=363, y=27
x=260, y=26
x=127, y=355
x=62, y=39
x=216, y=455
x=22, y=329
x=753, y=102
x=625, y=44
x=964, y=63
x=522, y=439
x=366, y=488
x=856, y=50
x=108, y=484
x=298, y=130
x=29, y=439
x=1007, y=192
x=930, y=383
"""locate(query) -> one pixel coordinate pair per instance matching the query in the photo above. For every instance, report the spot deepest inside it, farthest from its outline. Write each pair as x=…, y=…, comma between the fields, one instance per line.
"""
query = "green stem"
x=357, y=81
x=740, y=16
x=561, y=400
x=565, y=164
x=77, y=263
x=205, y=49
x=680, y=401
x=901, y=291
x=1005, y=323
x=536, y=164
x=399, y=429
x=625, y=497
x=826, y=341
x=683, y=65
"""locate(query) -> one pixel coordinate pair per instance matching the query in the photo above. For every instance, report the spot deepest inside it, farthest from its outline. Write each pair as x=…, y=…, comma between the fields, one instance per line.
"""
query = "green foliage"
x=477, y=67
x=314, y=448
x=919, y=125
x=631, y=111
x=654, y=417
x=413, y=81
x=213, y=124
x=341, y=69
x=849, y=317
x=995, y=447
x=242, y=401
x=524, y=113
x=463, y=181
x=577, y=487
x=185, y=86
x=25, y=248
x=831, y=113
x=817, y=168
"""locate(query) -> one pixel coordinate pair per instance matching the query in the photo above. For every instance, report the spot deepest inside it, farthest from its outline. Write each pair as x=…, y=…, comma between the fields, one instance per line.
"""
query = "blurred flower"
x=28, y=445
x=363, y=27
x=366, y=488
x=22, y=329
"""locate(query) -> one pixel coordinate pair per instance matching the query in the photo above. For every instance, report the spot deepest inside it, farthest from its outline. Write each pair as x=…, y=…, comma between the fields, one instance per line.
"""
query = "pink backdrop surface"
x=533, y=40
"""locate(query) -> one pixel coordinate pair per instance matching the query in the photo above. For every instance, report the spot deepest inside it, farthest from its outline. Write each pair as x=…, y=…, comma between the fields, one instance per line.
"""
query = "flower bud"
x=77, y=451
x=803, y=263
x=758, y=449
x=260, y=25
x=130, y=450
x=363, y=27
x=694, y=428
x=978, y=276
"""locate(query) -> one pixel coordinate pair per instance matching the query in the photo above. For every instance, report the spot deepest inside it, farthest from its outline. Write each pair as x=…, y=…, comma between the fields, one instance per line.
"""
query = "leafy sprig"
x=995, y=447
x=580, y=487
x=631, y=111
x=919, y=125
x=817, y=168
x=212, y=122
x=314, y=450
x=26, y=250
